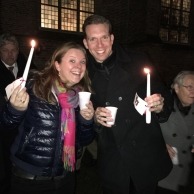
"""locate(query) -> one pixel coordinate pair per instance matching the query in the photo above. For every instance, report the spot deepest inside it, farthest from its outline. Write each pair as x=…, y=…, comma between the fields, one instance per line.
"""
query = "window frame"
x=59, y=7
x=175, y=26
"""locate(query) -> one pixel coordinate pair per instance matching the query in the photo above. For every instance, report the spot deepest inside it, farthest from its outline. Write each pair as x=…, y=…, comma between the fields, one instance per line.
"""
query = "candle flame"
x=146, y=70
x=33, y=43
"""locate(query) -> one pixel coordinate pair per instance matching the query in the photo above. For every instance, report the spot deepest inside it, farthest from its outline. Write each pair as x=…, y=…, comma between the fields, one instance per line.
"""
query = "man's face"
x=9, y=53
x=98, y=41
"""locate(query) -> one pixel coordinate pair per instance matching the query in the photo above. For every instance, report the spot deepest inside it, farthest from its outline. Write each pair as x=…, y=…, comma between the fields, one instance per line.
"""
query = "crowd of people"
x=50, y=132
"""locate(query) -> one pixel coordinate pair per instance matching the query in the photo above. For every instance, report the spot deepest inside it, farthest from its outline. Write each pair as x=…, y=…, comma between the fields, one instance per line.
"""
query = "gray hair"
x=180, y=77
x=8, y=37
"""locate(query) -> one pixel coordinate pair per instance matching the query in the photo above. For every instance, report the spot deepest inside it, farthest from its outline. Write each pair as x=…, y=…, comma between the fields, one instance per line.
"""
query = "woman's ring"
x=22, y=100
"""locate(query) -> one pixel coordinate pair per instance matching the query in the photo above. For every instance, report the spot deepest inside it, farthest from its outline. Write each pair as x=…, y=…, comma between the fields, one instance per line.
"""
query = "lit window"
x=67, y=15
x=175, y=20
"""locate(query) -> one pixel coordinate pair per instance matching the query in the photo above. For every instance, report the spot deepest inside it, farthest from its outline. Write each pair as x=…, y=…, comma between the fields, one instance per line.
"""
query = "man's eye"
x=92, y=39
x=105, y=37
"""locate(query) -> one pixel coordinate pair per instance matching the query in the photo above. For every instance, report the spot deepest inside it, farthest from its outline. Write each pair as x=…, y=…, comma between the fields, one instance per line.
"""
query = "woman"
x=178, y=133
x=43, y=153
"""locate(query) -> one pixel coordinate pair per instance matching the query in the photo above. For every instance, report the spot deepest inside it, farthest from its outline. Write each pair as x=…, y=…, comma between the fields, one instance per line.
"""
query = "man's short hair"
x=96, y=19
x=8, y=37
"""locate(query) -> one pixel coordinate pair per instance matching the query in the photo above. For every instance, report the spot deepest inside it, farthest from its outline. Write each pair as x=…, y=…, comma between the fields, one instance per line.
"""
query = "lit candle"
x=148, y=113
x=25, y=74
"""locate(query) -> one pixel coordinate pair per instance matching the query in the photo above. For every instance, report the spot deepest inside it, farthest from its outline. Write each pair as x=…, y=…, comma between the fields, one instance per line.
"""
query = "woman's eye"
x=83, y=62
x=72, y=61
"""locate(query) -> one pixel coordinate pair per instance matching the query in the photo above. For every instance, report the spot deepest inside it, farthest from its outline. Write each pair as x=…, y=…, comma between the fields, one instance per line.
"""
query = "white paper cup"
x=113, y=113
x=84, y=98
x=175, y=159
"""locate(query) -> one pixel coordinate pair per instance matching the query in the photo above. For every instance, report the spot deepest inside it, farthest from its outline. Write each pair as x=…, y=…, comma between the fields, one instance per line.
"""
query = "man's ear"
x=85, y=43
x=112, y=38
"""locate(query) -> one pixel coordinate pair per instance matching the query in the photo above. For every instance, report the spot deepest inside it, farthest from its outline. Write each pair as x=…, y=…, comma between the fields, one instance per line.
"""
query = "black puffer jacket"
x=38, y=147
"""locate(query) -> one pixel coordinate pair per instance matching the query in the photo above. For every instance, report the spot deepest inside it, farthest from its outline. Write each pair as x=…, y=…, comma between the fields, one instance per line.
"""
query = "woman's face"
x=72, y=67
x=185, y=91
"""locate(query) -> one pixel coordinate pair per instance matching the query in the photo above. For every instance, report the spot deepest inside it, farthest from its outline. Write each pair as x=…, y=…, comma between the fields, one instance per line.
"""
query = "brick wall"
x=22, y=17
x=135, y=23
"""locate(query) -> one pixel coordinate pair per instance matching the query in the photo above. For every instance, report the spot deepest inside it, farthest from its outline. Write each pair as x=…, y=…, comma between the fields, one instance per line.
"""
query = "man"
x=12, y=65
x=132, y=156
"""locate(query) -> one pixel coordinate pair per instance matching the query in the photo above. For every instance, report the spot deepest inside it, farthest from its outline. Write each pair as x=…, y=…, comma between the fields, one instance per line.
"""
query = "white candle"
x=26, y=70
x=148, y=93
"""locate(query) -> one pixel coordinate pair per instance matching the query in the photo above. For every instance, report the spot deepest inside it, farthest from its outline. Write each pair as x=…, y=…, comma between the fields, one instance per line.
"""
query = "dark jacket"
x=7, y=136
x=130, y=149
x=37, y=148
x=8, y=119
x=7, y=77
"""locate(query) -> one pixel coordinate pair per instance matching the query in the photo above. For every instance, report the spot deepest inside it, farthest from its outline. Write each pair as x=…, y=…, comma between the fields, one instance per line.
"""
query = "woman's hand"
x=19, y=99
x=88, y=113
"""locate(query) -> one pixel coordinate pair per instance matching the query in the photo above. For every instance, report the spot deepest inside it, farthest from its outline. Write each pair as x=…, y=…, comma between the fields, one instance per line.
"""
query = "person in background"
x=15, y=107
x=178, y=133
x=132, y=156
x=12, y=65
x=12, y=61
x=43, y=154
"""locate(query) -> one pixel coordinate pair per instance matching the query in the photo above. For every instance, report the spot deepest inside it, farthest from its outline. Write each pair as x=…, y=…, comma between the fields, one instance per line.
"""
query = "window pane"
x=165, y=16
x=49, y=17
x=184, y=37
x=83, y=16
x=164, y=34
x=50, y=2
x=165, y=3
x=72, y=4
x=173, y=36
x=87, y=5
x=185, y=19
x=68, y=20
x=176, y=4
x=70, y=13
x=175, y=20
x=186, y=5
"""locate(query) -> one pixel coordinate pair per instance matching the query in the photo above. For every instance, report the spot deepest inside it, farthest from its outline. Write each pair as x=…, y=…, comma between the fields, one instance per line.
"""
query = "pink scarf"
x=68, y=101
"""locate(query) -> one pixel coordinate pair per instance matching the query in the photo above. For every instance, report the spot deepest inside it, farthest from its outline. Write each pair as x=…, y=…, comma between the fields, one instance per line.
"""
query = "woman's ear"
x=176, y=88
x=57, y=65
